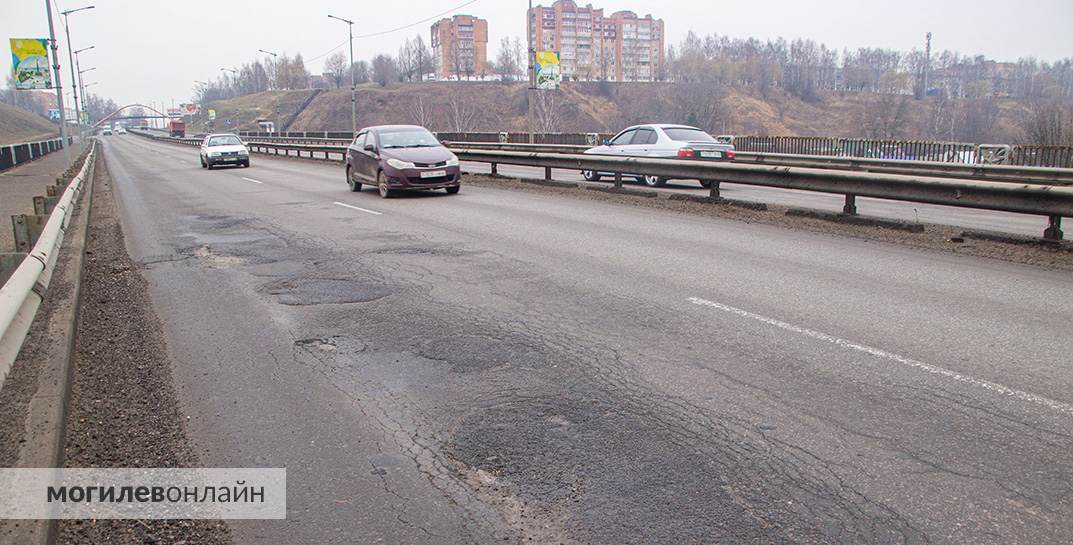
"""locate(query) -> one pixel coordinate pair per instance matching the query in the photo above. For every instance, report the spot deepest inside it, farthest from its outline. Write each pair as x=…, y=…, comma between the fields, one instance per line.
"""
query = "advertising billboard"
x=190, y=109
x=212, y=114
x=29, y=63
x=549, y=74
x=175, y=112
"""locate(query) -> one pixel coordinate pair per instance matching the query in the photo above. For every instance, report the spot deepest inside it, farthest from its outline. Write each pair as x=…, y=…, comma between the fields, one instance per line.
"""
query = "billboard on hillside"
x=190, y=109
x=212, y=114
x=29, y=63
x=549, y=73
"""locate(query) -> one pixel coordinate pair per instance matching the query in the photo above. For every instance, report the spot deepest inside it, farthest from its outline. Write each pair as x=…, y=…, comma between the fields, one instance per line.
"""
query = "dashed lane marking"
x=344, y=205
x=251, y=180
x=882, y=354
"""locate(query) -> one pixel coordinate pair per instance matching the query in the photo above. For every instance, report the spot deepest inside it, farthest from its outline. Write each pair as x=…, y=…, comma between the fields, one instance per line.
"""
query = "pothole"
x=325, y=291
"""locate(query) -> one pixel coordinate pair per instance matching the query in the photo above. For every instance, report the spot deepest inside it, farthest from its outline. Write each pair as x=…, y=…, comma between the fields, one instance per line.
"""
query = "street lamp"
x=268, y=52
x=353, y=83
x=70, y=60
x=78, y=66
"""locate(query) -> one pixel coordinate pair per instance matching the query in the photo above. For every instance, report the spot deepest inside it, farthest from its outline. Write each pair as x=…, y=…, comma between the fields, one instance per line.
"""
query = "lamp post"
x=57, y=83
x=81, y=88
x=70, y=60
x=353, y=83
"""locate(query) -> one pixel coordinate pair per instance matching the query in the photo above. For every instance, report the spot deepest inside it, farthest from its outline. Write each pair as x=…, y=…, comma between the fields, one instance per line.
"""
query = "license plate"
x=434, y=174
x=712, y=154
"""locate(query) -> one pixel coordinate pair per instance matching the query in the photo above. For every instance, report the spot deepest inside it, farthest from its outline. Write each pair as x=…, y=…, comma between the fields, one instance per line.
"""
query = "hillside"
x=596, y=107
x=18, y=125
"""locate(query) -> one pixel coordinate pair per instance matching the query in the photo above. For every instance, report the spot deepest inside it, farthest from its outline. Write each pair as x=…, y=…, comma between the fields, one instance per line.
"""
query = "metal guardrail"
x=1052, y=201
x=16, y=154
x=998, y=173
x=22, y=294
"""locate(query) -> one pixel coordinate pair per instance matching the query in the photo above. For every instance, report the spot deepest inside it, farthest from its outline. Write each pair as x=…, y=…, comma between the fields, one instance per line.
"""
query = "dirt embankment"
x=604, y=107
x=18, y=126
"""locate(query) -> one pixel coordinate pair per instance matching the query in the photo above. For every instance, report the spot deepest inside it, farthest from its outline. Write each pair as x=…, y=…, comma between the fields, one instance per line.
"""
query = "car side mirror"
x=370, y=147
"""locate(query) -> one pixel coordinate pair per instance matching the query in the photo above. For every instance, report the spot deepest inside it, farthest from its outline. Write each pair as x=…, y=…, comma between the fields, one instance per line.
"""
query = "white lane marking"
x=373, y=212
x=926, y=367
x=251, y=180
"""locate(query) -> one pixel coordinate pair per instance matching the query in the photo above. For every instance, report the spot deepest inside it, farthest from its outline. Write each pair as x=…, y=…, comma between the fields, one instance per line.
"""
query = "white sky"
x=154, y=50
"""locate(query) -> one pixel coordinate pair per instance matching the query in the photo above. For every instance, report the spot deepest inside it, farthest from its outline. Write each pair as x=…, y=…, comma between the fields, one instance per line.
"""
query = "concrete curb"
x=1006, y=238
x=624, y=191
x=856, y=220
x=47, y=410
x=729, y=202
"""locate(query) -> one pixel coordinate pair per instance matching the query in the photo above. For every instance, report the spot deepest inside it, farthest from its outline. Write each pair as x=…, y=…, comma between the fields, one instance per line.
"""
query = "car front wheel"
x=591, y=175
x=454, y=189
x=381, y=185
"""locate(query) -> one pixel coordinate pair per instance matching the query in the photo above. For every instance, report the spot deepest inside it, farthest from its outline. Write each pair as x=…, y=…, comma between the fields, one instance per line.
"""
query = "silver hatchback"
x=662, y=141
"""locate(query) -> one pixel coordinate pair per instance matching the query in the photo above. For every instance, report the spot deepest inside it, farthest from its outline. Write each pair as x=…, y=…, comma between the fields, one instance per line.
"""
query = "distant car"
x=224, y=149
x=120, y=130
x=106, y=132
x=401, y=157
x=662, y=141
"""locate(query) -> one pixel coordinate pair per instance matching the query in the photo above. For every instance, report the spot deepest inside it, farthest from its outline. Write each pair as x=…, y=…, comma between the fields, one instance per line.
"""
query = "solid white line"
x=251, y=180
x=926, y=367
x=373, y=212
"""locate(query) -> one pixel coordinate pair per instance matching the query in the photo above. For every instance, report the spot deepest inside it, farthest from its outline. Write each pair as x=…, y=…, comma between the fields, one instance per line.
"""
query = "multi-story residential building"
x=592, y=46
x=460, y=47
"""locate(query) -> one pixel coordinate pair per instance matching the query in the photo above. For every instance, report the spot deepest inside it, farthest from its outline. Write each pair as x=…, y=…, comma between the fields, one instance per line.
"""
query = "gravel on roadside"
x=123, y=410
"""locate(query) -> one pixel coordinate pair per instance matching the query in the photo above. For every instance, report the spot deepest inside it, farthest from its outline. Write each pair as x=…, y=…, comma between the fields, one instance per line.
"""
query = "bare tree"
x=385, y=70
x=462, y=114
x=506, y=64
x=422, y=113
x=1049, y=123
x=548, y=110
x=362, y=72
x=335, y=68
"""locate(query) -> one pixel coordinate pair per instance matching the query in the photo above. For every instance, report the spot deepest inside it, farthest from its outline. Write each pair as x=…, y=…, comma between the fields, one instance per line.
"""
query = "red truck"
x=178, y=128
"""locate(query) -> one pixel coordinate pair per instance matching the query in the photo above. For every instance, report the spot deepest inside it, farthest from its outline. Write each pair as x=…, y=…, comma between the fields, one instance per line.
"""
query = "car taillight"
x=686, y=152
x=730, y=155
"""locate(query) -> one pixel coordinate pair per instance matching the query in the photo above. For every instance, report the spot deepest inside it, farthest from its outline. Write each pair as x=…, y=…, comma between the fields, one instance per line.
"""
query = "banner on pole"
x=29, y=63
x=549, y=73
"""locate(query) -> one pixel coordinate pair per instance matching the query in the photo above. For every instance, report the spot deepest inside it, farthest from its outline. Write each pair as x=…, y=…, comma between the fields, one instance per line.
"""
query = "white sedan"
x=662, y=141
x=224, y=149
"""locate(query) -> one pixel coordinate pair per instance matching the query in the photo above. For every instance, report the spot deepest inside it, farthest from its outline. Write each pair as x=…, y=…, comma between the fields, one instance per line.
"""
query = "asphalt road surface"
x=984, y=220
x=504, y=365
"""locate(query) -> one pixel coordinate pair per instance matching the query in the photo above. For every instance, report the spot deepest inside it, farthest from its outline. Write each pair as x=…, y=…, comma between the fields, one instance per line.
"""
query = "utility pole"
x=353, y=81
x=59, y=86
x=70, y=60
x=82, y=88
x=532, y=71
x=927, y=65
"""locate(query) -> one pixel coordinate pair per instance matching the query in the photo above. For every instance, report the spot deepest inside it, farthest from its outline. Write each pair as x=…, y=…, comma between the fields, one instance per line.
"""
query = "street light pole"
x=57, y=83
x=353, y=81
x=81, y=88
x=531, y=38
x=70, y=60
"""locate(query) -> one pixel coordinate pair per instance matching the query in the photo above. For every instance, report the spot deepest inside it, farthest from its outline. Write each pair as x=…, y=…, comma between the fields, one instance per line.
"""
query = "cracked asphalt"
x=509, y=366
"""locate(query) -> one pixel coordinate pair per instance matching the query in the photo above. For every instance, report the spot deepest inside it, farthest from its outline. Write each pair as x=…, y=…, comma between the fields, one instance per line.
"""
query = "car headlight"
x=214, y=154
x=395, y=163
x=453, y=161
x=243, y=152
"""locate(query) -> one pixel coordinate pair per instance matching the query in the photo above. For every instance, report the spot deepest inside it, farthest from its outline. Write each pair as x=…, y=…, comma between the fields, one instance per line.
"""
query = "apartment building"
x=592, y=46
x=460, y=47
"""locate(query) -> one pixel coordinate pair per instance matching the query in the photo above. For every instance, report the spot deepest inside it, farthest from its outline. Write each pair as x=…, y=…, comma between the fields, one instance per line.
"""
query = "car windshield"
x=682, y=134
x=224, y=141
x=411, y=138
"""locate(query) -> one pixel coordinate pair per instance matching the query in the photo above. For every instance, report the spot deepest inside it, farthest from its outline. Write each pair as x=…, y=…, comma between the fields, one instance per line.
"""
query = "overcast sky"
x=153, y=50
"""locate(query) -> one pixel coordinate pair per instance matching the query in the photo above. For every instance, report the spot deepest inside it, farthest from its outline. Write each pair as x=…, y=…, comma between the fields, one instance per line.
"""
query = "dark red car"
x=401, y=157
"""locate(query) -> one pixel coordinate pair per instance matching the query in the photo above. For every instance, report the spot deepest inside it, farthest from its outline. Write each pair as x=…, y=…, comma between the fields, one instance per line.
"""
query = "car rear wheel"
x=354, y=186
x=654, y=181
x=454, y=189
x=203, y=165
x=590, y=175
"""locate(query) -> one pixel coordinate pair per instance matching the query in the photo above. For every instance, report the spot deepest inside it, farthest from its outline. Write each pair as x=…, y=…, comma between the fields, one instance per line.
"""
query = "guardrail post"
x=8, y=264
x=713, y=190
x=43, y=206
x=28, y=229
x=850, y=209
x=1054, y=229
x=495, y=169
x=618, y=180
x=547, y=173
